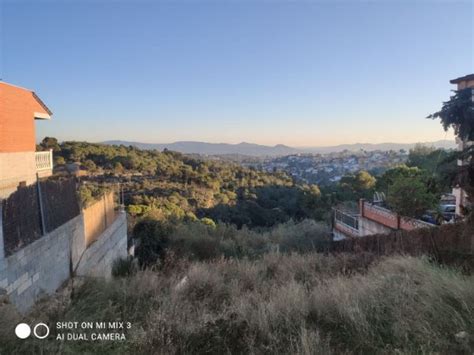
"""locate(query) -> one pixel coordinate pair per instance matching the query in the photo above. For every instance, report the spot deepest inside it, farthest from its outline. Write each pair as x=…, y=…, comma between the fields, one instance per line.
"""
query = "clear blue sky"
x=297, y=72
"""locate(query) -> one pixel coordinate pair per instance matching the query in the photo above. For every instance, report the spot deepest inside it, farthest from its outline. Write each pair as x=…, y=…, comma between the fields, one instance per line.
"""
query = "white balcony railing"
x=44, y=160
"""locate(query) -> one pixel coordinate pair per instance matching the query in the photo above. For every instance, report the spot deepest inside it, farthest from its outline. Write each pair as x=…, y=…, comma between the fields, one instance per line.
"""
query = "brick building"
x=19, y=162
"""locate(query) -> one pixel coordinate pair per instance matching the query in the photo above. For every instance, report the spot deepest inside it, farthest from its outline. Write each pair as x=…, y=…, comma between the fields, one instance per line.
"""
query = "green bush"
x=207, y=241
x=123, y=267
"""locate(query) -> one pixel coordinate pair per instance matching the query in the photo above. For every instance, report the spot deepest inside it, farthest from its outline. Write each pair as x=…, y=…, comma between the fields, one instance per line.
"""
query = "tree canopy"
x=458, y=113
x=409, y=196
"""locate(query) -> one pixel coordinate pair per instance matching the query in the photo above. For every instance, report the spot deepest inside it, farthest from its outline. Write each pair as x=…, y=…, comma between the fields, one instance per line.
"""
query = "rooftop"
x=462, y=78
x=41, y=110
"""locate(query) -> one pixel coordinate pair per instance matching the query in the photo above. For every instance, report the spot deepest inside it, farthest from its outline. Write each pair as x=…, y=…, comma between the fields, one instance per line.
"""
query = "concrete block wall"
x=41, y=267
x=98, y=258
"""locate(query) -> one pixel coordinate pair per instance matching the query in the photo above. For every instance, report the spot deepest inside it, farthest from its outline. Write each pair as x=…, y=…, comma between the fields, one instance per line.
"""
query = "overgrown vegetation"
x=200, y=241
x=279, y=304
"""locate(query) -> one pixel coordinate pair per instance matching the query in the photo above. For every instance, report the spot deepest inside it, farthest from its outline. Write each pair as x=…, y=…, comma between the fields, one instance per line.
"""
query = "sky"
x=300, y=73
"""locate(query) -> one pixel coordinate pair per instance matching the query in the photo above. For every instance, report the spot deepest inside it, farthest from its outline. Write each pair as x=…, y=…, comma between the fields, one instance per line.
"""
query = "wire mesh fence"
x=438, y=241
x=59, y=201
x=32, y=211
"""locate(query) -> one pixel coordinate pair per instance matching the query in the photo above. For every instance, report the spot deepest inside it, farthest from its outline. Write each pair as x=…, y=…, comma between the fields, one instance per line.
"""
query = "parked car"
x=448, y=211
x=430, y=217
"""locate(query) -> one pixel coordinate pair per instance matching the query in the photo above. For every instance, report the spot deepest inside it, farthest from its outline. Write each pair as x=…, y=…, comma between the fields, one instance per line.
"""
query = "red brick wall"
x=17, y=125
x=388, y=218
x=380, y=215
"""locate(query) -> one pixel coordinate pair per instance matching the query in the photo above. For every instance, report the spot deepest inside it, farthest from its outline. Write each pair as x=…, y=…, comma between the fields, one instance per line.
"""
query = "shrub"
x=123, y=267
x=203, y=241
x=152, y=235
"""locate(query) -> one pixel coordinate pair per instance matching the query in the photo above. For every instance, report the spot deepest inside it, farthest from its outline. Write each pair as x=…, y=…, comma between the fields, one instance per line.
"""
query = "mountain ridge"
x=253, y=149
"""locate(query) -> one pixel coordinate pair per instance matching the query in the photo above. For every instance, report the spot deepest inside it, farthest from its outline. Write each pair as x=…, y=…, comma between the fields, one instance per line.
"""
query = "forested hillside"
x=172, y=186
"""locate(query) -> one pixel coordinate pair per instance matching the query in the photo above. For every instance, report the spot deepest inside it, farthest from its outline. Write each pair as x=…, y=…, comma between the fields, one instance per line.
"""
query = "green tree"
x=50, y=143
x=391, y=175
x=410, y=197
x=359, y=185
x=59, y=160
x=118, y=168
x=90, y=165
x=153, y=237
x=208, y=222
x=458, y=113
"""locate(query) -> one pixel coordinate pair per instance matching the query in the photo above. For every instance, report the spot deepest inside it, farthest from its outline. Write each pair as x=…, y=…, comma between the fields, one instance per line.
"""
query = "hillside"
x=172, y=186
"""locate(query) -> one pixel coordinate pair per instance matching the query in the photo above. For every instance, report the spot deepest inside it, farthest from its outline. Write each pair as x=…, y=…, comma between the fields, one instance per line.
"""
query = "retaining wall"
x=98, y=258
x=41, y=267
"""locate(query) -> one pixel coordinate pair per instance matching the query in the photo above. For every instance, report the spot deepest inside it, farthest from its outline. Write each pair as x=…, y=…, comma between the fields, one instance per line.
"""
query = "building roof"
x=462, y=78
x=41, y=111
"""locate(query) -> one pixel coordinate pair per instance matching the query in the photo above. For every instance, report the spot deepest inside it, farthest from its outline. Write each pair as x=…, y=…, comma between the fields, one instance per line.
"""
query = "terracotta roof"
x=462, y=78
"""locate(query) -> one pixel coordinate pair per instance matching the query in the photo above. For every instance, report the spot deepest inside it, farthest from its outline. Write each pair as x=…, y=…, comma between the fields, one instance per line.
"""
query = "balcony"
x=346, y=223
x=44, y=162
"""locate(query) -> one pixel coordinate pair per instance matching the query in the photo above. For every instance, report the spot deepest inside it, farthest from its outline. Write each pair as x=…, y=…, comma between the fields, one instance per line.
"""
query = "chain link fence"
x=33, y=211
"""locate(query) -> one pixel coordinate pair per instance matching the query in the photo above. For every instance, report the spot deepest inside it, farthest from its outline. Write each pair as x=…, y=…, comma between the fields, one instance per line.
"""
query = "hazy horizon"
x=271, y=145
x=301, y=74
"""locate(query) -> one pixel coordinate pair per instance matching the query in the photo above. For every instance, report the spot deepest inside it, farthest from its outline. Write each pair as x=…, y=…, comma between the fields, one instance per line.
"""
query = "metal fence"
x=346, y=218
x=35, y=210
x=445, y=241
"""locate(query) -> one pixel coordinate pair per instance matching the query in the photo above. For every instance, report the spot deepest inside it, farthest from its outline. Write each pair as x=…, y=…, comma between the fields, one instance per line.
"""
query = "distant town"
x=329, y=168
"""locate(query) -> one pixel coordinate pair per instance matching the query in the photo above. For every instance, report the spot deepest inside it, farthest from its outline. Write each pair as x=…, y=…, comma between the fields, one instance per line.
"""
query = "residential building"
x=19, y=162
x=46, y=234
x=464, y=82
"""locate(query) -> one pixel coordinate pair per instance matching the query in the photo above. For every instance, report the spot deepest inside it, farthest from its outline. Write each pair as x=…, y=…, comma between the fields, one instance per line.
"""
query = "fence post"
x=40, y=200
x=104, y=199
x=2, y=247
x=122, y=205
x=361, y=207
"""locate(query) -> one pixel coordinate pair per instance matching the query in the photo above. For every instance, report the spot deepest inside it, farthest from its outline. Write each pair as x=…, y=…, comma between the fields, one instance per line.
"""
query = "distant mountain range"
x=258, y=150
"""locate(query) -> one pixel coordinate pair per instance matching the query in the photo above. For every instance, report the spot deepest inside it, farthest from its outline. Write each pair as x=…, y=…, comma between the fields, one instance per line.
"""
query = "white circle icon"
x=22, y=330
x=35, y=329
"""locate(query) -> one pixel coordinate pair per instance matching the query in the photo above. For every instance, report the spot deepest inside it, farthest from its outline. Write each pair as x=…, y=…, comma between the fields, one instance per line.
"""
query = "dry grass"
x=306, y=304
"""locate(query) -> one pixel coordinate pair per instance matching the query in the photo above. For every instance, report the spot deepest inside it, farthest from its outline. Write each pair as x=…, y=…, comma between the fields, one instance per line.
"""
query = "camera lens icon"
x=22, y=330
x=40, y=331
x=42, y=334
